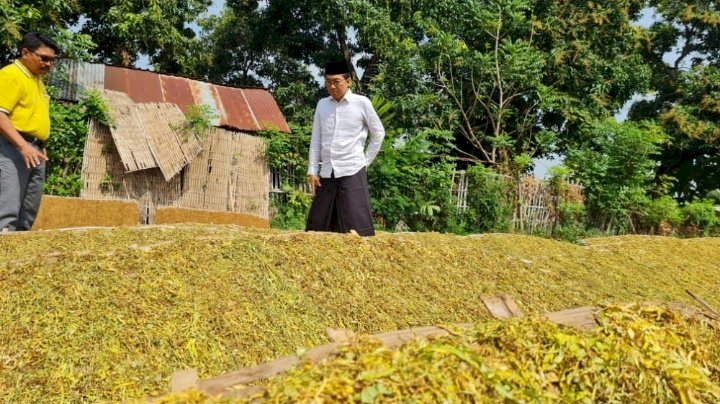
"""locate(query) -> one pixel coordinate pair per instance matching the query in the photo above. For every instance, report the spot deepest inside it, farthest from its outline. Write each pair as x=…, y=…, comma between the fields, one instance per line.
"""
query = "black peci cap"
x=338, y=67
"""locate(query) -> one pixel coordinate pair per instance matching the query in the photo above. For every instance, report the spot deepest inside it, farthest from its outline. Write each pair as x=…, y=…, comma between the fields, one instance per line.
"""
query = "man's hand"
x=32, y=156
x=314, y=182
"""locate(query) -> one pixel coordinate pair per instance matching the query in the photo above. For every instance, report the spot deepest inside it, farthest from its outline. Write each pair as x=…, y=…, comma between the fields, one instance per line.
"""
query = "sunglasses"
x=46, y=58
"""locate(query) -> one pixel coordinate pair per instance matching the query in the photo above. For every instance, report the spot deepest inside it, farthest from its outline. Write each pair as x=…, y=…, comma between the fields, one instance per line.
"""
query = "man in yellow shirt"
x=25, y=128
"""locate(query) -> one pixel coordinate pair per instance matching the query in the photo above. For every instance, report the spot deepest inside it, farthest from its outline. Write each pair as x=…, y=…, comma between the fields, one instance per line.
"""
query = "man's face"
x=39, y=61
x=337, y=85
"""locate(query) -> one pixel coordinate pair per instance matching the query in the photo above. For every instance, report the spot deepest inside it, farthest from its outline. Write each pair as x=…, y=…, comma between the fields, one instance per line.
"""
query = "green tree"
x=616, y=165
x=51, y=17
x=506, y=77
x=683, y=46
x=125, y=29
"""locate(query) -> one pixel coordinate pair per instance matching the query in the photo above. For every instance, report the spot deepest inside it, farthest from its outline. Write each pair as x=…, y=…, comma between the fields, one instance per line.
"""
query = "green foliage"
x=94, y=107
x=291, y=213
x=67, y=142
x=490, y=201
x=616, y=165
x=74, y=45
x=692, y=122
x=125, y=29
x=570, y=224
x=18, y=17
x=496, y=82
x=507, y=78
x=659, y=212
x=411, y=181
x=198, y=120
x=714, y=196
x=682, y=45
x=287, y=151
x=700, y=217
x=108, y=184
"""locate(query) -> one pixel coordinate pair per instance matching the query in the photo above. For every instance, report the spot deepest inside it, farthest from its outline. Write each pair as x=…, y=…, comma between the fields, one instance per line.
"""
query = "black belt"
x=33, y=140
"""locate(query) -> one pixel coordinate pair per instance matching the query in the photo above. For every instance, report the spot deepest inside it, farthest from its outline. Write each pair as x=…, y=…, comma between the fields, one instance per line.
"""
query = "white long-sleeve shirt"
x=340, y=129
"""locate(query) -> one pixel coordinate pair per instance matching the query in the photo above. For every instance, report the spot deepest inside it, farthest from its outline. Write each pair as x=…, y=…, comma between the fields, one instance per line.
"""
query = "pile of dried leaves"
x=638, y=354
x=110, y=314
x=645, y=355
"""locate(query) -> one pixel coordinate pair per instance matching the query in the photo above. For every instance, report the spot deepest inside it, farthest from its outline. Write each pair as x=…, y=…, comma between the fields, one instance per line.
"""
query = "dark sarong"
x=342, y=204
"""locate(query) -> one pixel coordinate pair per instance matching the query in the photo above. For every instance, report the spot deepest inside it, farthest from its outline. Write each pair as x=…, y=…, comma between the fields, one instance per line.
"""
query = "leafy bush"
x=287, y=152
x=198, y=120
x=699, y=217
x=615, y=165
x=411, y=181
x=292, y=212
x=659, y=213
x=489, y=200
x=67, y=141
x=570, y=221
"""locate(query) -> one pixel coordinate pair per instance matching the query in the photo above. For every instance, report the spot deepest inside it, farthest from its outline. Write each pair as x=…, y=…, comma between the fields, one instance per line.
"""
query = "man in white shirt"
x=338, y=158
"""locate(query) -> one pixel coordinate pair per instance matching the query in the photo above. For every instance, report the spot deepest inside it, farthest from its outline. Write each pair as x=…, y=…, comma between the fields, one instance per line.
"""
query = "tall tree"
x=684, y=48
x=160, y=29
x=51, y=17
x=506, y=76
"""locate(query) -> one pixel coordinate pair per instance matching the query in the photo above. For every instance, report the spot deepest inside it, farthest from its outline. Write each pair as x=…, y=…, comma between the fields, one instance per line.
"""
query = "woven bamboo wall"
x=170, y=147
x=128, y=133
x=229, y=175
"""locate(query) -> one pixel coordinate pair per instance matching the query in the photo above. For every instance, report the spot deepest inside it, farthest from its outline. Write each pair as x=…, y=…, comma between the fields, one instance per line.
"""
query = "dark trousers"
x=342, y=204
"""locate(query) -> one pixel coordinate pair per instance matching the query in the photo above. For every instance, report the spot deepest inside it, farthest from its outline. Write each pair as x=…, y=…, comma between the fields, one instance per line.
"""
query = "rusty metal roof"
x=245, y=109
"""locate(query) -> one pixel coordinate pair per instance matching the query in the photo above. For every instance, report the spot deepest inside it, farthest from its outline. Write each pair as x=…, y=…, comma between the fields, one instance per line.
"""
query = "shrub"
x=615, y=164
x=699, y=217
x=293, y=211
x=660, y=213
x=489, y=200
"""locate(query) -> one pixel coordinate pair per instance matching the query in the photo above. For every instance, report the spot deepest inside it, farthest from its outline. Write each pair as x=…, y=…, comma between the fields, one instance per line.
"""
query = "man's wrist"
x=23, y=144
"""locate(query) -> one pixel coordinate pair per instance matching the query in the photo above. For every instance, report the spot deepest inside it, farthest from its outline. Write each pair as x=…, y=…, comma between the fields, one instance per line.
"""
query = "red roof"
x=244, y=109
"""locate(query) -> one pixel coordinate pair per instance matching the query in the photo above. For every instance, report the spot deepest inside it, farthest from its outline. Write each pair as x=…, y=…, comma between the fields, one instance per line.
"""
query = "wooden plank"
x=218, y=385
x=712, y=312
x=580, y=317
x=340, y=336
x=502, y=306
x=183, y=380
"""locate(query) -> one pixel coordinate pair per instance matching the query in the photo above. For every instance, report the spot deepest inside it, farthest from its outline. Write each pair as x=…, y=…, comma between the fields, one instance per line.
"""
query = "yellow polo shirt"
x=24, y=99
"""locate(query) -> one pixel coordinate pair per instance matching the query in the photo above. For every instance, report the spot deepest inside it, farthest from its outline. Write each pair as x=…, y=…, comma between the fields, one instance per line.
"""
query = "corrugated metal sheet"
x=91, y=76
x=72, y=78
x=237, y=111
x=242, y=109
x=64, y=78
x=177, y=91
x=204, y=94
x=265, y=108
x=140, y=85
